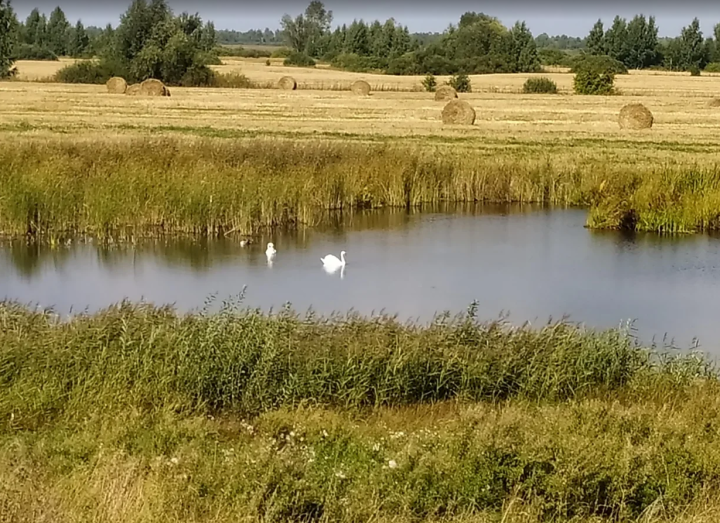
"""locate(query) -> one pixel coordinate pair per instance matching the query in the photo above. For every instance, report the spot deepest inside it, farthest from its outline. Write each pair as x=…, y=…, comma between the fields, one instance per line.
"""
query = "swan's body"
x=270, y=251
x=332, y=262
x=245, y=242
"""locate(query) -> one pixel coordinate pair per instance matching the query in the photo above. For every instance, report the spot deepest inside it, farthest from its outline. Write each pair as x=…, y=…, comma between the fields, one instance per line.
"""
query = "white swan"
x=270, y=251
x=332, y=262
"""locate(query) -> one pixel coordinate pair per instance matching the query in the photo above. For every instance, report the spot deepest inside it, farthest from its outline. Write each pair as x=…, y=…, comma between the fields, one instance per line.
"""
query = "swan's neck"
x=342, y=258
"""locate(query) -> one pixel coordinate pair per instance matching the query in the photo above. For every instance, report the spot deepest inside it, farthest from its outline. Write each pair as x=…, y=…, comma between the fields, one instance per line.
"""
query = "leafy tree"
x=79, y=40
x=641, y=43
x=209, y=37
x=524, y=49
x=57, y=32
x=687, y=51
x=357, y=40
x=595, y=44
x=8, y=38
x=616, y=40
x=305, y=32
x=31, y=30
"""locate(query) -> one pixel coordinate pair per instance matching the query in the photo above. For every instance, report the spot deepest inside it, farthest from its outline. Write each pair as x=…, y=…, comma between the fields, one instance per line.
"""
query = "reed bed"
x=174, y=184
x=138, y=414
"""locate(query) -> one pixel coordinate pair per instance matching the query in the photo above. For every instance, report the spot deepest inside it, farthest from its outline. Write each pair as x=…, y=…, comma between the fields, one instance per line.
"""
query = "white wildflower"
x=392, y=464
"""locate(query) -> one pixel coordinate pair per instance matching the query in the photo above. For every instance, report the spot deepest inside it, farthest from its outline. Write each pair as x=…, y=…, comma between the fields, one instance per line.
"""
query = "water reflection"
x=533, y=262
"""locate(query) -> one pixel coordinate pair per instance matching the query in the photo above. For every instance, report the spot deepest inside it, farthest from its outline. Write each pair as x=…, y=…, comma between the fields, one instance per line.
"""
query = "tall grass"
x=212, y=185
x=138, y=414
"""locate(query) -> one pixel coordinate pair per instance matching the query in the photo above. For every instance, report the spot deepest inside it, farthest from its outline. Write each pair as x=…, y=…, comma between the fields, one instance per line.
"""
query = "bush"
x=232, y=80
x=598, y=64
x=208, y=58
x=402, y=65
x=267, y=62
x=281, y=52
x=712, y=67
x=461, y=83
x=589, y=81
x=33, y=52
x=694, y=70
x=430, y=83
x=540, y=85
x=89, y=72
x=358, y=64
x=299, y=60
x=242, y=52
x=555, y=57
x=198, y=76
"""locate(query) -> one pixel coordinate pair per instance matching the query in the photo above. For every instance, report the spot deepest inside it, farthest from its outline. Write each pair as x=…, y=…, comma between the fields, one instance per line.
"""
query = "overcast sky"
x=556, y=17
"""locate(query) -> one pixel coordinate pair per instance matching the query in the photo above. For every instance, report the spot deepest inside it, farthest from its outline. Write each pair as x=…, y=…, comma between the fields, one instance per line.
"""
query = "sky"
x=555, y=17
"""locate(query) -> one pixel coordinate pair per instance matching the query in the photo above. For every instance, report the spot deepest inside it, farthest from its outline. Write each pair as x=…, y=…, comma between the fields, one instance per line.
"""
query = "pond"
x=531, y=263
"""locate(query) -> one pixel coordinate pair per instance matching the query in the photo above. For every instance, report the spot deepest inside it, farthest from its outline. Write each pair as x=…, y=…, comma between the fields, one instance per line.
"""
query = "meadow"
x=138, y=414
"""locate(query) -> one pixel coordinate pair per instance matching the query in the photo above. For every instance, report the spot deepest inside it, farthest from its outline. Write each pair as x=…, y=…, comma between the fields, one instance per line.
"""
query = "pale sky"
x=556, y=17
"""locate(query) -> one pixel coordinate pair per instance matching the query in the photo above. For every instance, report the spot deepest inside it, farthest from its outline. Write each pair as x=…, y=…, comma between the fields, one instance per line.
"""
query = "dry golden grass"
x=32, y=71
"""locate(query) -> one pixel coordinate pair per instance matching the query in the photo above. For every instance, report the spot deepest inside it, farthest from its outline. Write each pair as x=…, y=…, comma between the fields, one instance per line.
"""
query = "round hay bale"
x=444, y=93
x=133, y=90
x=153, y=87
x=635, y=116
x=458, y=112
x=715, y=102
x=287, y=83
x=116, y=85
x=360, y=88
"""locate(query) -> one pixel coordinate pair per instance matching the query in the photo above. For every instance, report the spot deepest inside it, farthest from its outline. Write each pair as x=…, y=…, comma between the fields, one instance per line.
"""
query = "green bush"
x=461, y=83
x=281, y=52
x=243, y=52
x=358, y=64
x=589, y=81
x=198, y=76
x=402, y=65
x=299, y=60
x=88, y=72
x=540, y=85
x=694, y=70
x=267, y=62
x=430, y=83
x=33, y=52
x=232, y=80
x=712, y=67
x=598, y=63
x=555, y=57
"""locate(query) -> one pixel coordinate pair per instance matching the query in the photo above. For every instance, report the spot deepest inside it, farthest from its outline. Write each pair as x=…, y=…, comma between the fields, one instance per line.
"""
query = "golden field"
x=678, y=102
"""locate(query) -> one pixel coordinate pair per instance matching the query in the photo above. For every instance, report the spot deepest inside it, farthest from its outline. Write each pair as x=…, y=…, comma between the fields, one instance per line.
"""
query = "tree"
x=79, y=40
x=357, y=40
x=209, y=37
x=304, y=32
x=692, y=49
x=57, y=32
x=595, y=44
x=8, y=38
x=616, y=40
x=641, y=43
x=525, y=56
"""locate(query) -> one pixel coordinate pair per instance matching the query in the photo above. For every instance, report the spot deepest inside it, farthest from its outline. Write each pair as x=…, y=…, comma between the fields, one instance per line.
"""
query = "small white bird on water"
x=270, y=251
x=332, y=262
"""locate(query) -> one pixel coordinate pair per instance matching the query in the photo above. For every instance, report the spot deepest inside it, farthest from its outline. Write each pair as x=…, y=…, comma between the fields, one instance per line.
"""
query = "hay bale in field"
x=458, y=112
x=444, y=93
x=133, y=90
x=153, y=87
x=116, y=85
x=360, y=88
x=635, y=116
x=715, y=102
x=287, y=83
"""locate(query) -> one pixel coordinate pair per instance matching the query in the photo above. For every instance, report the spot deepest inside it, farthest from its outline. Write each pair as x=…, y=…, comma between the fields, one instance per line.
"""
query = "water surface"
x=531, y=263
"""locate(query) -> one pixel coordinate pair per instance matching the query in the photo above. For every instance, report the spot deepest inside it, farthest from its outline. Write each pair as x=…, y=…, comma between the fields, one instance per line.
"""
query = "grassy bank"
x=124, y=186
x=137, y=414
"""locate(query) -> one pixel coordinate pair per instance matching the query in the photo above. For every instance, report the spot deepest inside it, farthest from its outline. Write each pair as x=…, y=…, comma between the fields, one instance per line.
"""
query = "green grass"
x=205, y=185
x=138, y=414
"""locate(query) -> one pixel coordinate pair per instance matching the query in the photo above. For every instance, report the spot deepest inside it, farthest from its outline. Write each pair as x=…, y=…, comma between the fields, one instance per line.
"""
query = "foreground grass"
x=215, y=186
x=137, y=414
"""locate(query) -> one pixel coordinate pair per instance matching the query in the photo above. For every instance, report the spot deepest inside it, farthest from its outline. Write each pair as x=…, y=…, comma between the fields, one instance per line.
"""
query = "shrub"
x=208, y=58
x=89, y=72
x=402, y=65
x=232, y=80
x=694, y=70
x=555, y=57
x=242, y=52
x=461, y=83
x=299, y=60
x=267, y=62
x=281, y=52
x=712, y=67
x=598, y=63
x=588, y=81
x=358, y=64
x=430, y=83
x=33, y=52
x=540, y=85
x=198, y=76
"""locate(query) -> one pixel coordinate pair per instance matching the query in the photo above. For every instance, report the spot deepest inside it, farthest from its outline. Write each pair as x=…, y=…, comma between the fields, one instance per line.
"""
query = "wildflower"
x=324, y=433
x=174, y=461
x=392, y=464
x=340, y=475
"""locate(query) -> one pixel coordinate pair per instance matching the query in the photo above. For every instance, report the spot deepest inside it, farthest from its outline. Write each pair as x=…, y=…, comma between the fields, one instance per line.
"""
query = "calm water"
x=531, y=263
